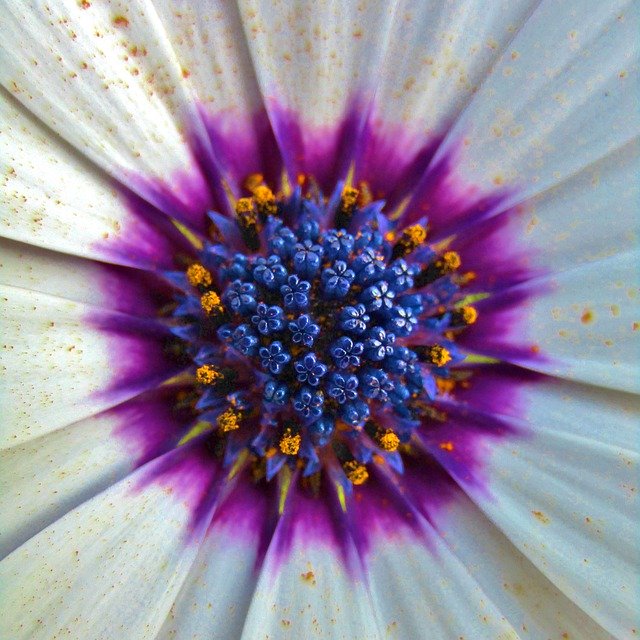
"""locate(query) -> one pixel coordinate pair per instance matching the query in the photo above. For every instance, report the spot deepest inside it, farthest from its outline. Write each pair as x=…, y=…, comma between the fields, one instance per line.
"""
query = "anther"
x=208, y=374
x=265, y=202
x=348, y=203
x=356, y=472
x=445, y=265
x=388, y=440
x=290, y=443
x=229, y=420
x=464, y=316
x=412, y=237
x=198, y=276
x=435, y=354
x=248, y=221
x=210, y=302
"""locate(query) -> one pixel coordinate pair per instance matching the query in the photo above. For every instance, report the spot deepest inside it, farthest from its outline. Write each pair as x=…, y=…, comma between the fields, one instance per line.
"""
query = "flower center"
x=321, y=334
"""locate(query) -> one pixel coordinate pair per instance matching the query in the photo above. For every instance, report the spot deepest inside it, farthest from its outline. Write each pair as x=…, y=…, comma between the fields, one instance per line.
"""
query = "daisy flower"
x=318, y=319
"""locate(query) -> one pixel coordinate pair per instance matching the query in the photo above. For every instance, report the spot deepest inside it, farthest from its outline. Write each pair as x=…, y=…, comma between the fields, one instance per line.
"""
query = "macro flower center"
x=320, y=333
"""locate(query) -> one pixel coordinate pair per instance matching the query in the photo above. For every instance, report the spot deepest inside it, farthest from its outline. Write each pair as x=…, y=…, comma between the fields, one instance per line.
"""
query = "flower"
x=446, y=191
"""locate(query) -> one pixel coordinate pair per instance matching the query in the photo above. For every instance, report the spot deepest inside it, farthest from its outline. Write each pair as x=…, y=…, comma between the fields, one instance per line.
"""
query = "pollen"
x=356, y=472
x=389, y=441
x=450, y=261
x=412, y=237
x=207, y=374
x=265, y=200
x=445, y=385
x=446, y=446
x=439, y=355
x=469, y=315
x=229, y=420
x=349, y=197
x=211, y=303
x=290, y=443
x=197, y=276
x=244, y=207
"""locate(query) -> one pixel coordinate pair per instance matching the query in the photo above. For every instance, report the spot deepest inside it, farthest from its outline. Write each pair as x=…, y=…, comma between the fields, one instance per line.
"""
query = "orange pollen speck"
x=349, y=197
x=207, y=374
x=451, y=261
x=265, y=200
x=469, y=315
x=416, y=234
x=447, y=446
x=244, y=208
x=210, y=302
x=389, y=441
x=356, y=472
x=445, y=385
x=229, y=420
x=253, y=181
x=439, y=355
x=197, y=275
x=290, y=443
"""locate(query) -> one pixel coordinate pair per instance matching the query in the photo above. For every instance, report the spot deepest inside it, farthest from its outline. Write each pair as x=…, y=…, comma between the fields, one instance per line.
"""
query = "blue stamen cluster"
x=331, y=326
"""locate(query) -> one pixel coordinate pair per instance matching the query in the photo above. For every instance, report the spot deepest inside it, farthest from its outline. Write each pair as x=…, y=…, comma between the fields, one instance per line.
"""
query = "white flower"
x=512, y=126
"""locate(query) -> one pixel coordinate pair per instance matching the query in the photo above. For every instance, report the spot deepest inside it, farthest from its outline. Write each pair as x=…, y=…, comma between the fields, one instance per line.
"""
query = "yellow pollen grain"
x=445, y=385
x=244, y=205
x=389, y=441
x=439, y=355
x=253, y=181
x=207, y=374
x=229, y=420
x=356, y=472
x=265, y=200
x=451, y=261
x=469, y=315
x=197, y=275
x=446, y=446
x=290, y=443
x=349, y=197
x=210, y=302
x=416, y=234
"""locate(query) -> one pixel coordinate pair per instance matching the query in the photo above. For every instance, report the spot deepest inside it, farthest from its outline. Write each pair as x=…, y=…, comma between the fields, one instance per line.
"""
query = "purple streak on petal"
x=501, y=329
x=324, y=153
x=149, y=240
x=194, y=475
x=242, y=145
x=132, y=291
x=151, y=424
x=141, y=354
x=391, y=160
x=497, y=258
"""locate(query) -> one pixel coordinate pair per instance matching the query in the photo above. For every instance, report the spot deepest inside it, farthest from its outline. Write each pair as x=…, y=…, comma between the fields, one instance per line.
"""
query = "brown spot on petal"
x=541, y=516
x=587, y=317
x=121, y=21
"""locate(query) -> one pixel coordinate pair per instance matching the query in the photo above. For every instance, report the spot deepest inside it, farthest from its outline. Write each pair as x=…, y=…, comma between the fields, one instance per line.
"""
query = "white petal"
x=110, y=568
x=580, y=324
x=564, y=494
x=63, y=361
x=53, y=198
x=315, y=62
x=209, y=42
x=103, y=76
x=423, y=591
x=305, y=589
x=561, y=96
x=438, y=55
x=44, y=478
x=87, y=281
x=532, y=603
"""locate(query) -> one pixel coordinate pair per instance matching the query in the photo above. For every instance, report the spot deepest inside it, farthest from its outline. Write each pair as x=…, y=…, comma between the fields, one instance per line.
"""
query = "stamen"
x=348, y=203
x=290, y=443
x=356, y=472
x=208, y=374
x=211, y=303
x=445, y=265
x=248, y=221
x=229, y=420
x=388, y=440
x=439, y=355
x=412, y=237
x=198, y=276
x=265, y=201
x=468, y=315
